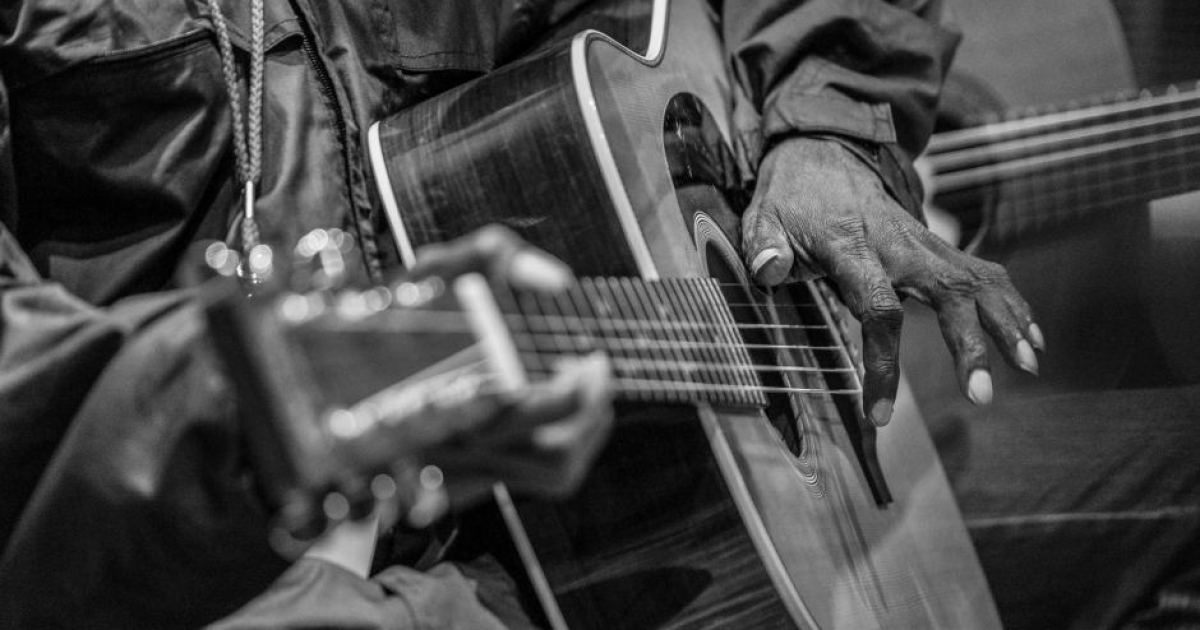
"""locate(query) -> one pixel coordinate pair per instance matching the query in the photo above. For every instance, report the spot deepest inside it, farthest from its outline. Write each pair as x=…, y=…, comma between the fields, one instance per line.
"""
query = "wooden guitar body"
x=696, y=515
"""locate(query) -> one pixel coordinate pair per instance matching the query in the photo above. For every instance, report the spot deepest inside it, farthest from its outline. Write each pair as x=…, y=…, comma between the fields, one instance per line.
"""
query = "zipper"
x=329, y=93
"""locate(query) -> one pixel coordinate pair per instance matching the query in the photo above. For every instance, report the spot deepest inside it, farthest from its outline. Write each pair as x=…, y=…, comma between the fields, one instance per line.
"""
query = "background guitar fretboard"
x=1056, y=166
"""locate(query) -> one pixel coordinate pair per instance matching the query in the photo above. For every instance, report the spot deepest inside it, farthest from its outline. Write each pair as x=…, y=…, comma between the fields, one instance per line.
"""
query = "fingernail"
x=540, y=271
x=1035, y=336
x=979, y=387
x=881, y=412
x=1025, y=357
x=762, y=259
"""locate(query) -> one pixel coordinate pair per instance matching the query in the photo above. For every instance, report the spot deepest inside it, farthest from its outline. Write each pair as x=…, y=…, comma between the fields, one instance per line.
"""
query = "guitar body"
x=695, y=515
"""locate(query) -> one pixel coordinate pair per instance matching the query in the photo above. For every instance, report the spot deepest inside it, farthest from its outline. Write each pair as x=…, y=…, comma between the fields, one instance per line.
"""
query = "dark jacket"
x=126, y=500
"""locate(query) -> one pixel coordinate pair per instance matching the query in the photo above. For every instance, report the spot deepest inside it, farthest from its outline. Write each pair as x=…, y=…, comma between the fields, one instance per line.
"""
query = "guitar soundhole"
x=792, y=340
x=708, y=188
x=746, y=309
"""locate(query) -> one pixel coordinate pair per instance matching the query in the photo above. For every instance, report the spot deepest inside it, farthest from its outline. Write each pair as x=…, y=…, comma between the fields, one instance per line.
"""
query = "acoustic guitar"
x=743, y=488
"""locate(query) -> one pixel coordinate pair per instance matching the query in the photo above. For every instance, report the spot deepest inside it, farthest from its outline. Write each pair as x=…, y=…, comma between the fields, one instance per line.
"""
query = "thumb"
x=768, y=254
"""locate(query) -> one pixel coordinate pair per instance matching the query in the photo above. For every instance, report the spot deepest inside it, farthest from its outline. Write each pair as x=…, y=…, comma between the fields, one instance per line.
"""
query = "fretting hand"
x=541, y=439
x=819, y=211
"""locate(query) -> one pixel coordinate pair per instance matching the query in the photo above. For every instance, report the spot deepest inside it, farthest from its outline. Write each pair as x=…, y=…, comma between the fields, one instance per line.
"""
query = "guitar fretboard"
x=671, y=340
x=1061, y=166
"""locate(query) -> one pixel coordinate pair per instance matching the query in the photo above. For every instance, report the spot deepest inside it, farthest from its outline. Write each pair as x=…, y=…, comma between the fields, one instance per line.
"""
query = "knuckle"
x=851, y=245
x=972, y=347
x=883, y=305
x=991, y=273
x=847, y=226
x=882, y=366
x=953, y=281
x=904, y=227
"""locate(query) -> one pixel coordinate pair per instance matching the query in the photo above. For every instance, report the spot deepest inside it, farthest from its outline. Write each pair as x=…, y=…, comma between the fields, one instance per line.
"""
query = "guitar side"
x=693, y=517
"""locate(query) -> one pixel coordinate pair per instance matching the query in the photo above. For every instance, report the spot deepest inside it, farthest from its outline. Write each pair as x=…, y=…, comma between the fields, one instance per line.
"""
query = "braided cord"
x=247, y=134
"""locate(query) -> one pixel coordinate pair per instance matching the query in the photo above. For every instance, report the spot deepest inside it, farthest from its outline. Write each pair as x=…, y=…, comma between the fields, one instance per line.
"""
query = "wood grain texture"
x=693, y=517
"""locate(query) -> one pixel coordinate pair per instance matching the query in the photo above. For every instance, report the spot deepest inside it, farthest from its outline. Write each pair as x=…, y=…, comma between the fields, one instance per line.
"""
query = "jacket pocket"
x=118, y=162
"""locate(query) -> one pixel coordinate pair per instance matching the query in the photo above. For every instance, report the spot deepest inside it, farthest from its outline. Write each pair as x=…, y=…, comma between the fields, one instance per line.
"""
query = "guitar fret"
x=676, y=330
x=735, y=371
x=658, y=310
x=685, y=308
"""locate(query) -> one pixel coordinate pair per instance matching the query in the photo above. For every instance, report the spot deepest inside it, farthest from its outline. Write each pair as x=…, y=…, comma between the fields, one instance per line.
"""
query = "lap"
x=1082, y=506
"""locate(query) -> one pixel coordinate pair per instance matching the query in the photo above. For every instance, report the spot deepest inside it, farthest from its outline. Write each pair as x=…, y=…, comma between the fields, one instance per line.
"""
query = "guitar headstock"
x=344, y=389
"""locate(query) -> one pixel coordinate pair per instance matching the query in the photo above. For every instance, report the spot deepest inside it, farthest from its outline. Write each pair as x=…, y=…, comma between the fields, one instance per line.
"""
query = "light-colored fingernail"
x=1035, y=336
x=979, y=387
x=881, y=412
x=761, y=260
x=1026, y=358
x=540, y=271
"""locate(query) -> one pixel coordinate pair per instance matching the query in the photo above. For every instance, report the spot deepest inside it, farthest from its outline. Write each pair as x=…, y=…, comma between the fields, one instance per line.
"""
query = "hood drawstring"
x=247, y=132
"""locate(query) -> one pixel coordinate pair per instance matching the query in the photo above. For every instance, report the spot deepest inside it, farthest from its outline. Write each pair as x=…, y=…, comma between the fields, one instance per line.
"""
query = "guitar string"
x=456, y=321
x=760, y=305
x=951, y=140
x=1069, y=197
x=664, y=343
x=557, y=336
x=661, y=386
x=685, y=365
x=970, y=178
x=684, y=325
x=1171, y=179
x=992, y=153
x=1107, y=203
x=1185, y=177
x=563, y=345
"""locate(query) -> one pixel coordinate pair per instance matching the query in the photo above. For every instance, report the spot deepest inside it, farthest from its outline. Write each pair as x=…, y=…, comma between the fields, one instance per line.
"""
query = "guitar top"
x=723, y=513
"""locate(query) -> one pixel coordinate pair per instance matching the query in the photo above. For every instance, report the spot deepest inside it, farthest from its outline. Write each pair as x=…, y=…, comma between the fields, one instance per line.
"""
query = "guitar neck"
x=1063, y=166
x=671, y=340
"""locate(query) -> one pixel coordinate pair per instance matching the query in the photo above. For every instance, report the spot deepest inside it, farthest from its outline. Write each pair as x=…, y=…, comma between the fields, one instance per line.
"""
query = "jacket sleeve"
x=866, y=73
x=127, y=499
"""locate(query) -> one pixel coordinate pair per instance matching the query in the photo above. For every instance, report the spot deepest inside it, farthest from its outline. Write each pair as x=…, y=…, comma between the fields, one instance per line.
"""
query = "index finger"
x=869, y=295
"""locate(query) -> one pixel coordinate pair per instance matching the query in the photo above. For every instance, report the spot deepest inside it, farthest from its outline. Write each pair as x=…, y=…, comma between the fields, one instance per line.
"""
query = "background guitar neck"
x=1055, y=167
